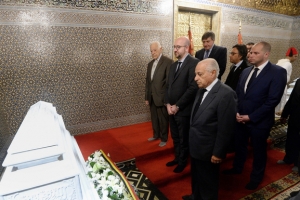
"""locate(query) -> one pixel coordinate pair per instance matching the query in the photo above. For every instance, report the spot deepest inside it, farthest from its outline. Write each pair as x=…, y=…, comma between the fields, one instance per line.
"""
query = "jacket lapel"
x=160, y=62
x=181, y=67
x=212, y=53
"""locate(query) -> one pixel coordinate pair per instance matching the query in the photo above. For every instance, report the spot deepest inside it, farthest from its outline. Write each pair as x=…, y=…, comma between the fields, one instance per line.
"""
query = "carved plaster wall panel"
x=123, y=6
x=48, y=17
x=199, y=23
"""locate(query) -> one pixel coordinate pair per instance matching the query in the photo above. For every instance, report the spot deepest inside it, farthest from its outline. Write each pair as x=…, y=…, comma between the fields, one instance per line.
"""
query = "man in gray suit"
x=157, y=74
x=211, y=127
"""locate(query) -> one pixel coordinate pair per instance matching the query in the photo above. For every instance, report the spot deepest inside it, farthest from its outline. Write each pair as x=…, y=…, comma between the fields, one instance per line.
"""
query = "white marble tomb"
x=44, y=160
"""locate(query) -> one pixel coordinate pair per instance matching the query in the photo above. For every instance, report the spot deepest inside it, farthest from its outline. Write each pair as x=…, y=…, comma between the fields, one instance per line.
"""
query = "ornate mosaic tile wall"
x=89, y=62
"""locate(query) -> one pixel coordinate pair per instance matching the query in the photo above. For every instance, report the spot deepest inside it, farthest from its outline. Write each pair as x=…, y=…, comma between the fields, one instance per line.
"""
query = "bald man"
x=181, y=90
x=259, y=90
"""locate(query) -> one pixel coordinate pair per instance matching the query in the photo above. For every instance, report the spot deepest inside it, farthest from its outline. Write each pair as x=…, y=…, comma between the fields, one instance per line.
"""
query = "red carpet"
x=129, y=142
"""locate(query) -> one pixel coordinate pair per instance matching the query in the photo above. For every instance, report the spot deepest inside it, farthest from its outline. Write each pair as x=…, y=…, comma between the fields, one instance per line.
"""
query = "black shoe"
x=251, y=185
x=294, y=193
x=172, y=163
x=188, y=197
x=179, y=168
x=231, y=171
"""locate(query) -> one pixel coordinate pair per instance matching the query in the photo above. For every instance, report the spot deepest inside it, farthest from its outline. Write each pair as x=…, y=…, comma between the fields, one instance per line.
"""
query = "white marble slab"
x=44, y=160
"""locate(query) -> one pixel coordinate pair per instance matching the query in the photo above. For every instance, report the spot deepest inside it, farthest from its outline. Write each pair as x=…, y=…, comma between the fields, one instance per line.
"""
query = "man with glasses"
x=179, y=97
x=210, y=50
x=238, y=57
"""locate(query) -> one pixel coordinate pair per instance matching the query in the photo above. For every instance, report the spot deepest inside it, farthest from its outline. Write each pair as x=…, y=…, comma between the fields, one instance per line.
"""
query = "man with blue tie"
x=210, y=50
x=259, y=90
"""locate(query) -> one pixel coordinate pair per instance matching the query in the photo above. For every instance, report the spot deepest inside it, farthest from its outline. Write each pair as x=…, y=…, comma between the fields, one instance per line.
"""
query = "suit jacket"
x=219, y=54
x=181, y=89
x=262, y=96
x=157, y=86
x=233, y=76
x=292, y=108
x=212, y=127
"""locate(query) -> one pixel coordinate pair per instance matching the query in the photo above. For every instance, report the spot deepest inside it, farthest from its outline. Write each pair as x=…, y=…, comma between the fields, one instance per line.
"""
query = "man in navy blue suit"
x=259, y=90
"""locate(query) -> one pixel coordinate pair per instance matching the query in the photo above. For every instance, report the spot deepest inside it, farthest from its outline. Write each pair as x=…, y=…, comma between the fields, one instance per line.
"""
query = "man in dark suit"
x=291, y=111
x=180, y=94
x=259, y=90
x=249, y=46
x=238, y=57
x=210, y=50
x=157, y=74
x=211, y=126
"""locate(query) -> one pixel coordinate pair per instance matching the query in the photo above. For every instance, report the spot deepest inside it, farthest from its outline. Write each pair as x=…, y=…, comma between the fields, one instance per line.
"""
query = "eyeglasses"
x=177, y=47
x=233, y=53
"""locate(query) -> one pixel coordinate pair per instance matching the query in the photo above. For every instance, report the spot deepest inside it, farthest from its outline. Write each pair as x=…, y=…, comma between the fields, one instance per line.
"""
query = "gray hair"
x=211, y=64
x=157, y=43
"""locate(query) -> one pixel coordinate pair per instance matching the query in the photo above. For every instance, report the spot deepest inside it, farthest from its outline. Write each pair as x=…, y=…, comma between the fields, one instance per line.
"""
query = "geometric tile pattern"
x=275, y=188
x=90, y=73
x=145, y=187
x=89, y=62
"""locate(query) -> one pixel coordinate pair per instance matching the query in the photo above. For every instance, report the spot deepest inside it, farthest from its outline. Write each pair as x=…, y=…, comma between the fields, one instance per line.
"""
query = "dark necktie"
x=206, y=54
x=199, y=101
x=178, y=67
x=233, y=68
x=230, y=75
x=252, y=77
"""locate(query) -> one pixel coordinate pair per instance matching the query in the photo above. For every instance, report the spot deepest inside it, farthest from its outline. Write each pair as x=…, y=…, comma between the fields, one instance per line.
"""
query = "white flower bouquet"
x=107, y=179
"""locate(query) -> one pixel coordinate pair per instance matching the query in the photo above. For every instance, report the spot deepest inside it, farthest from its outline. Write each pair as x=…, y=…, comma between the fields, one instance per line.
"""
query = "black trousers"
x=180, y=126
x=292, y=145
x=205, y=179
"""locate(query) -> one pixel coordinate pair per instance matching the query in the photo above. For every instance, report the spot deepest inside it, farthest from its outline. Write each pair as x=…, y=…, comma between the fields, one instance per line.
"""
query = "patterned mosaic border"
x=257, y=20
x=126, y=6
x=29, y=16
x=275, y=188
x=212, y=2
x=286, y=193
x=253, y=17
x=147, y=190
